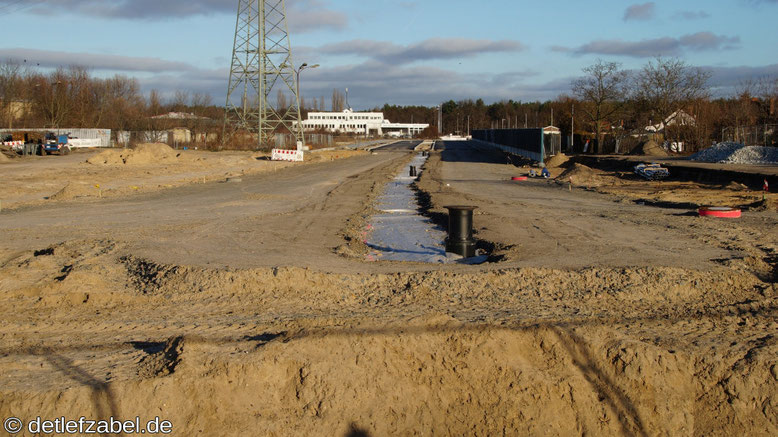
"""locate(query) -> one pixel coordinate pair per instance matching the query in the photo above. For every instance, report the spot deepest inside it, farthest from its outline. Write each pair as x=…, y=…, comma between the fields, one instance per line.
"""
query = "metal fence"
x=763, y=135
x=287, y=141
x=530, y=143
x=104, y=135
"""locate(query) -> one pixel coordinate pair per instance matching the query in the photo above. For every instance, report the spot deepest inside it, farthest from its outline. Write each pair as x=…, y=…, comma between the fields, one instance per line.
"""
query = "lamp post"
x=300, y=69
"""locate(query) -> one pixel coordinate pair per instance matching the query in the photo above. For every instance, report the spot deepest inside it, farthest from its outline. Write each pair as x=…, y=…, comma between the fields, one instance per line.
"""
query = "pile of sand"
x=6, y=154
x=74, y=190
x=143, y=154
x=649, y=148
x=557, y=160
x=736, y=186
x=582, y=175
x=107, y=157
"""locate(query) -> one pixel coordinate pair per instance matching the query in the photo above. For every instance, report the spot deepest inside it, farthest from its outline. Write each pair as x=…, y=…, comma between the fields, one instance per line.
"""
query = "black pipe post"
x=460, y=231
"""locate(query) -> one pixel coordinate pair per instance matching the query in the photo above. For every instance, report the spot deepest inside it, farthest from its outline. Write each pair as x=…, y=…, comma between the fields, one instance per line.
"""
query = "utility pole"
x=572, y=126
x=440, y=120
x=262, y=66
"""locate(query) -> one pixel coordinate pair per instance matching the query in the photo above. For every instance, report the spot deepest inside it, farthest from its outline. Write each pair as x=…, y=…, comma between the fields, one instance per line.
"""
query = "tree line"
x=612, y=107
x=72, y=98
x=608, y=105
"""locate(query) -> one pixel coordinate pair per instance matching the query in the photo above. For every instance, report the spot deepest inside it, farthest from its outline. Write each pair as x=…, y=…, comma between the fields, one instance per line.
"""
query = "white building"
x=363, y=123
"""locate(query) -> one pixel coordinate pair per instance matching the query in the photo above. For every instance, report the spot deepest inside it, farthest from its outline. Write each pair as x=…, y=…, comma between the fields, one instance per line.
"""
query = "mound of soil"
x=72, y=191
x=769, y=204
x=107, y=157
x=143, y=154
x=6, y=154
x=557, y=160
x=736, y=186
x=150, y=153
x=582, y=175
x=649, y=148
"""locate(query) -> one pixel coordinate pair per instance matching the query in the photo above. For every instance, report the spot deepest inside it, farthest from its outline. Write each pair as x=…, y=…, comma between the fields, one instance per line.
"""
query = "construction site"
x=494, y=281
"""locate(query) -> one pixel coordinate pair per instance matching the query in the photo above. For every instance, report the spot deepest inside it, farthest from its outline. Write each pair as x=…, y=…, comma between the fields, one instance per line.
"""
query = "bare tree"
x=124, y=106
x=181, y=100
x=338, y=101
x=82, y=93
x=603, y=92
x=52, y=97
x=11, y=84
x=666, y=85
x=155, y=102
x=281, y=103
x=757, y=97
x=201, y=101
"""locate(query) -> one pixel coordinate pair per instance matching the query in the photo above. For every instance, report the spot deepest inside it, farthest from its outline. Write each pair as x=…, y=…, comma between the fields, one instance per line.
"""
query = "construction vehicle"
x=54, y=144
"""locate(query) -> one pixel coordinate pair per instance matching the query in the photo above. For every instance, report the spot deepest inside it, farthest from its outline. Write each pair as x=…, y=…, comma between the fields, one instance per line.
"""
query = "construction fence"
x=98, y=137
x=288, y=141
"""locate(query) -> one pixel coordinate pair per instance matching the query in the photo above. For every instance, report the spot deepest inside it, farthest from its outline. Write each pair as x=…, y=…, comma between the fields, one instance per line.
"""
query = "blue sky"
x=400, y=52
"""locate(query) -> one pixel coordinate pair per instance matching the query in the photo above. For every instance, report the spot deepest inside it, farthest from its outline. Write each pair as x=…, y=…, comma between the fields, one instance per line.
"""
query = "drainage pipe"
x=460, y=230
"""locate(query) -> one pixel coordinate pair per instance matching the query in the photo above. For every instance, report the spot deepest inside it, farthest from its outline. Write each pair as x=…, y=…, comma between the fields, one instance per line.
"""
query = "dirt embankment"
x=638, y=351
x=670, y=193
x=89, y=328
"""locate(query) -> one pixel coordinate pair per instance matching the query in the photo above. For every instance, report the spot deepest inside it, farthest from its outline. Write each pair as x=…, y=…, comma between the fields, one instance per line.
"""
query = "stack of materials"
x=652, y=172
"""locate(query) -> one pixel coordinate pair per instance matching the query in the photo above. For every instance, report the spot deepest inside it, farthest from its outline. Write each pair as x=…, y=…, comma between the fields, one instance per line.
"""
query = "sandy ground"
x=246, y=308
x=28, y=181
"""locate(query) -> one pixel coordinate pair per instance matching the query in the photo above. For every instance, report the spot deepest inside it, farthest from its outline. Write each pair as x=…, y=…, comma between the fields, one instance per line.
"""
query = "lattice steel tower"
x=261, y=67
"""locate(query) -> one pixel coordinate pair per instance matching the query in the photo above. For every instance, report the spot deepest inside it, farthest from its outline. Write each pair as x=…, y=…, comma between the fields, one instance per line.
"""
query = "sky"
x=399, y=52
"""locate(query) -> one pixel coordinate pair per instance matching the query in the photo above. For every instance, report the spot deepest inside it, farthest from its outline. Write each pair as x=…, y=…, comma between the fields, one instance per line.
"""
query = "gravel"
x=736, y=153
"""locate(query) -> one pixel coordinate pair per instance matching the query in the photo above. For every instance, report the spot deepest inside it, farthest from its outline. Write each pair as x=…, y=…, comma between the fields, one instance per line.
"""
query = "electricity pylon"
x=262, y=65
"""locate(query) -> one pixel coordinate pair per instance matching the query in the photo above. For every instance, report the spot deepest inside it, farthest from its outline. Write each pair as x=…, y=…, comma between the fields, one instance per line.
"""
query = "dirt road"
x=290, y=217
x=245, y=308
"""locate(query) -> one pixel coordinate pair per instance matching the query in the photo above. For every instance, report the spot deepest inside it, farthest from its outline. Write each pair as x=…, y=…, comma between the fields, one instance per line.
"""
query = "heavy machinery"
x=54, y=144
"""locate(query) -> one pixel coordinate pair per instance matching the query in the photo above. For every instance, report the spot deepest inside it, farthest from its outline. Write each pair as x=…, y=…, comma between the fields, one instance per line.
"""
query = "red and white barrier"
x=287, y=155
x=16, y=145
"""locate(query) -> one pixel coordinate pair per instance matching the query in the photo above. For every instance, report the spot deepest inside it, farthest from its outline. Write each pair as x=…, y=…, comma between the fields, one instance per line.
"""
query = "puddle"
x=400, y=232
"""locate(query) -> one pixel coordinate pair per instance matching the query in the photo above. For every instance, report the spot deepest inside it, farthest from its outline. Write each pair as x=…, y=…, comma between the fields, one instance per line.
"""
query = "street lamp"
x=302, y=67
